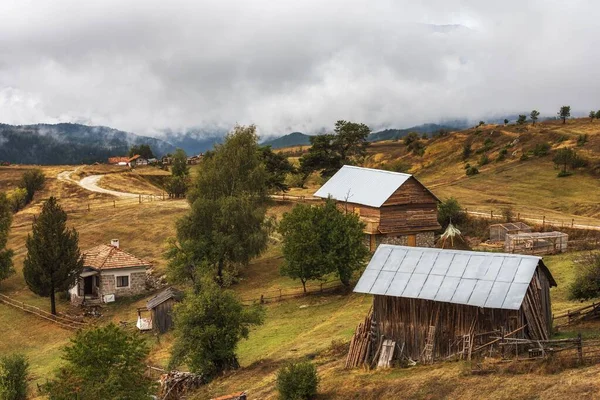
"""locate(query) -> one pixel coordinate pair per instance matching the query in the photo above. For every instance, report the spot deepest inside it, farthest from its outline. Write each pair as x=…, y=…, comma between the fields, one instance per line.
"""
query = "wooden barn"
x=396, y=208
x=434, y=303
x=161, y=308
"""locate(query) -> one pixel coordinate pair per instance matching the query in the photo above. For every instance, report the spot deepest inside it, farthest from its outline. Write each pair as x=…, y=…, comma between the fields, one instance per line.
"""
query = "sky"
x=146, y=66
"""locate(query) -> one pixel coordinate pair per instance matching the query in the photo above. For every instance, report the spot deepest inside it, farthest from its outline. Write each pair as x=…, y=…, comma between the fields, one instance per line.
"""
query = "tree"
x=179, y=166
x=592, y=115
x=143, y=150
x=6, y=263
x=277, y=167
x=597, y=114
x=226, y=226
x=14, y=370
x=521, y=120
x=17, y=199
x=103, y=363
x=320, y=240
x=564, y=113
x=567, y=157
x=467, y=150
x=450, y=210
x=301, y=244
x=505, y=121
x=53, y=262
x=177, y=186
x=481, y=123
x=330, y=152
x=298, y=381
x=534, y=115
x=32, y=181
x=587, y=280
x=208, y=327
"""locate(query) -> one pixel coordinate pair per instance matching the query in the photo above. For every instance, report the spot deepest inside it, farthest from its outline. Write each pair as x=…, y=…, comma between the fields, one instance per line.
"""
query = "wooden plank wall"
x=411, y=192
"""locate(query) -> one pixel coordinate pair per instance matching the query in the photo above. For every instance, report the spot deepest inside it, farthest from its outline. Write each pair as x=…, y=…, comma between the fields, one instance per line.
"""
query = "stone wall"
x=137, y=283
x=424, y=239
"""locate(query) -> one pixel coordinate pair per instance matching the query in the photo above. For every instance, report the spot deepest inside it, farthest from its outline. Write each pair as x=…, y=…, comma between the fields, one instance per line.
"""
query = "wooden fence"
x=276, y=295
x=585, y=313
x=62, y=321
x=534, y=220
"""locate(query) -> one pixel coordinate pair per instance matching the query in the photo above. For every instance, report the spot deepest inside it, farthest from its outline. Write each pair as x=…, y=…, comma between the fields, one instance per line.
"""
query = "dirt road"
x=91, y=183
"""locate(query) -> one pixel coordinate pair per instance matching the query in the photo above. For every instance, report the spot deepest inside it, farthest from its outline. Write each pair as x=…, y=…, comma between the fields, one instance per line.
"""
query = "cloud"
x=146, y=66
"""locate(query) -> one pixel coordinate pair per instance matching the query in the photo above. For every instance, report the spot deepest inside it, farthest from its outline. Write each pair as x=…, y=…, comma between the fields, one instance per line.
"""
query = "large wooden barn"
x=396, y=208
x=454, y=296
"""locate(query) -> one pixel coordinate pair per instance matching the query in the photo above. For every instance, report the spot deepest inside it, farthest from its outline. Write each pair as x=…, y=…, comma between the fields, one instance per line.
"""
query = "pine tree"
x=53, y=263
x=6, y=264
x=534, y=116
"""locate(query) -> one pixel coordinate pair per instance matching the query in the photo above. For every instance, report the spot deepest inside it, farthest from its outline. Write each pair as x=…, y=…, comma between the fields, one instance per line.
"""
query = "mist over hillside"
x=69, y=143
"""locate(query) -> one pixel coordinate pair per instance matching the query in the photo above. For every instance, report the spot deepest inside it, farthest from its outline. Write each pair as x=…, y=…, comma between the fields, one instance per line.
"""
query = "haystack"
x=452, y=239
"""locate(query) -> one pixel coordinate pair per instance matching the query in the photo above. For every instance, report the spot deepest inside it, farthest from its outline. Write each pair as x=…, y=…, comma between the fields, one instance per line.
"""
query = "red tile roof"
x=106, y=256
x=116, y=160
x=133, y=158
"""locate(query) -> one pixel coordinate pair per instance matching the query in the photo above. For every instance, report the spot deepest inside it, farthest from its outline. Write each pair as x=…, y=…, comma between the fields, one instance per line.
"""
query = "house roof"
x=106, y=256
x=366, y=186
x=116, y=160
x=133, y=158
x=169, y=293
x=492, y=280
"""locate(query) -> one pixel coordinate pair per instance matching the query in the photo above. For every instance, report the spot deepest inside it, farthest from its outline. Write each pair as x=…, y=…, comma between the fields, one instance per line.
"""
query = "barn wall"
x=162, y=317
x=411, y=192
x=407, y=321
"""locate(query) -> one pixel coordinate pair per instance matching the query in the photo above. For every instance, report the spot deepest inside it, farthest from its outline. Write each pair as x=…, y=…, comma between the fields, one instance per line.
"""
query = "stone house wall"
x=424, y=239
x=137, y=282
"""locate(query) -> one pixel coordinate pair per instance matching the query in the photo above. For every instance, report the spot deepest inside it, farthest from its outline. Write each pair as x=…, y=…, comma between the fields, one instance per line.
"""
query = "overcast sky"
x=300, y=65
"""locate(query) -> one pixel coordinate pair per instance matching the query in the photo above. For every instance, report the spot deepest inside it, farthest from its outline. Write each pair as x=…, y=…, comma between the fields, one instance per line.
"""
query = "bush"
x=450, y=210
x=13, y=377
x=582, y=140
x=396, y=166
x=295, y=180
x=17, y=199
x=524, y=157
x=177, y=186
x=541, y=149
x=563, y=174
x=508, y=214
x=32, y=181
x=467, y=150
x=472, y=171
x=502, y=155
x=297, y=381
x=483, y=160
x=587, y=281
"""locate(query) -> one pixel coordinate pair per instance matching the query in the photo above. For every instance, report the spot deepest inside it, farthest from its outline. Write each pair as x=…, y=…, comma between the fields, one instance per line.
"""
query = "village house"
x=396, y=208
x=118, y=160
x=433, y=303
x=109, y=273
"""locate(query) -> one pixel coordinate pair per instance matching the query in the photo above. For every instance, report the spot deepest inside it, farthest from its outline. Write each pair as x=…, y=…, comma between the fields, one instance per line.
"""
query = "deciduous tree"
x=14, y=370
x=103, y=363
x=521, y=120
x=277, y=167
x=53, y=262
x=6, y=263
x=32, y=181
x=592, y=115
x=143, y=150
x=208, y=327
x=179, y=166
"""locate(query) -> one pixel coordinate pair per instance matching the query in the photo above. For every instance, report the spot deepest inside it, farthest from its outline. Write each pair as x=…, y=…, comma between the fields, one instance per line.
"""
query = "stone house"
x=396, y=208
x=109, y=273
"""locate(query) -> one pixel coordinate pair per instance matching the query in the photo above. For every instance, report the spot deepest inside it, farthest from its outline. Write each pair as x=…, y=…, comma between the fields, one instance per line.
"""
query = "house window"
x=123, y=281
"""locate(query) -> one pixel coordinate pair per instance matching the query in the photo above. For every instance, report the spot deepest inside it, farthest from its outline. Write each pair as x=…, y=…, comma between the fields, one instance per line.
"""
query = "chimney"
x=114, y=243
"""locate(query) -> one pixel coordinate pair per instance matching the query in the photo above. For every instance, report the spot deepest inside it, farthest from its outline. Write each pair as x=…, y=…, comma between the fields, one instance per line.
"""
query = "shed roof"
x=168, y=293
x=106, y=256
x=492, y=280
x=366, y=186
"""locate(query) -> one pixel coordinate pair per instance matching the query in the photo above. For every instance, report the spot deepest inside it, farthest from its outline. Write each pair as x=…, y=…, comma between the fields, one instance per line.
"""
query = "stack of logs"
x=175, y=384
x=360, y=345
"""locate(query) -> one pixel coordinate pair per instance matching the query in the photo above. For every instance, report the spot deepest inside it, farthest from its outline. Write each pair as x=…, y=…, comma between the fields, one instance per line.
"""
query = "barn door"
x=412, y=240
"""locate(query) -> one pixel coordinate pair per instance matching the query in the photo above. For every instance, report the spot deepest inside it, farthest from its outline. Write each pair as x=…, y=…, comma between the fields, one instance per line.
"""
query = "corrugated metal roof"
x=493, y=280
x=366, y=186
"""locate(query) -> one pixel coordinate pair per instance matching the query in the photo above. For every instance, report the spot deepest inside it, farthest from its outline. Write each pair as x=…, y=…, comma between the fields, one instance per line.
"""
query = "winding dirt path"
x=91, y=183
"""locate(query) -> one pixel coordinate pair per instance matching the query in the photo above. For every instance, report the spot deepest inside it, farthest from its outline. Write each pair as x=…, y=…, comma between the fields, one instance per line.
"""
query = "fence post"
x=579, y=348
x=543, y=222
x=140, y=199
x=114, y=204
x=518, y=216
x=572, y=222
x=280, y=294
x=321, y=287
x=262, y=299
x=491, y=215
x=88, y=206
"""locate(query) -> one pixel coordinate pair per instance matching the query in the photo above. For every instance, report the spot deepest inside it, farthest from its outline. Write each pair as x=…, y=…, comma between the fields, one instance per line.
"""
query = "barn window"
x=123, y=281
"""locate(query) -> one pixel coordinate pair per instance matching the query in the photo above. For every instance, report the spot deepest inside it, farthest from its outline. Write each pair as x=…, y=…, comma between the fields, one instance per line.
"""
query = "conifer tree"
x=53, y=262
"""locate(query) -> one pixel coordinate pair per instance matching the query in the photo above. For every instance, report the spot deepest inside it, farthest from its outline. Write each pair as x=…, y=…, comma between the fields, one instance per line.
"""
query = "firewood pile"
x=175, y=385
x=360, y=345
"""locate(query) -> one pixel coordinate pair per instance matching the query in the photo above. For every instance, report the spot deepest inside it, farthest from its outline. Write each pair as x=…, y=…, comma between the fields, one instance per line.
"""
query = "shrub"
x=582, y=140
x=17, y=199
x=32, y=181
x=466, y=151
x=508, y=214
x=13, y=377
x=297, y=381
x=483, y=160
x=295, y=180
x=396, y=166
x=472, y=171
x=524, y=157
x=562, y=138
x=563, y=174
x=587, y=281
x=541, y=149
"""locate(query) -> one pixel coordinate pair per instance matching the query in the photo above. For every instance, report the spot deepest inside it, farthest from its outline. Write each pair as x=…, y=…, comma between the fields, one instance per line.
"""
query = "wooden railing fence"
x=276, y=295
x=62, y=321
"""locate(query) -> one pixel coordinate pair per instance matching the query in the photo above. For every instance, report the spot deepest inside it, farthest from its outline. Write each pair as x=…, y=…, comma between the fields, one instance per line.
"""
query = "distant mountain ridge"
x=66, y=143
x=194, y=141
x=291, y=139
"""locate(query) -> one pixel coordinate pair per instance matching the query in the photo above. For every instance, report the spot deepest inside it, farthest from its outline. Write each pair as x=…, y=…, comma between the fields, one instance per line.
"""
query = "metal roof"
x=169, y=293
x=366, y=186
x=492, y=280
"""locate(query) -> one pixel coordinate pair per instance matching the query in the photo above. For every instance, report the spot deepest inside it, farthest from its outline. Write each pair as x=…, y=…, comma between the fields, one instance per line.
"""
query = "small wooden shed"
x=161, y=307
x=434, y=303
x=498, y=232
